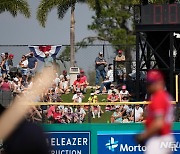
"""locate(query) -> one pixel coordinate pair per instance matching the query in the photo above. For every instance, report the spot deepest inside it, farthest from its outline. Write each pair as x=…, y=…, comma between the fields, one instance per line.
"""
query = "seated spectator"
x=5, y=85
x=77, y=98
x=95, y=109
x=23, y=64
x=84, y=82
x=117, y=115
x=65, y=75
x=69, y=115
x=112, y=98
x=138, y=114
x=57, y=115
x=64, y=86
x=50, y=112
x=80, y=113
x=32, y=63
x=77, y=84
x=123, y=93
x=112, y=88
x=105, y=86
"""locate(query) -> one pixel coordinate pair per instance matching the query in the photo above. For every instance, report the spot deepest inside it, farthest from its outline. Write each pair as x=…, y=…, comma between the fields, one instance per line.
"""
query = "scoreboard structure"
x=156, y=45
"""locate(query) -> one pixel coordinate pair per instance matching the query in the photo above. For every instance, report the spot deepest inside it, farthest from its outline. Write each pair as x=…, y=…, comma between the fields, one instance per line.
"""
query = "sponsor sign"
x=124, y=142
x=69, y=142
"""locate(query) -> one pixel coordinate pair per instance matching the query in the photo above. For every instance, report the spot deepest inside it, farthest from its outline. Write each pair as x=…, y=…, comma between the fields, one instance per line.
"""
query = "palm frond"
x=15, y=6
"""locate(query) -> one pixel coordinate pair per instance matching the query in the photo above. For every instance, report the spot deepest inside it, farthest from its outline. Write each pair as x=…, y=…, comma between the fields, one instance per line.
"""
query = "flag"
x=39, y=51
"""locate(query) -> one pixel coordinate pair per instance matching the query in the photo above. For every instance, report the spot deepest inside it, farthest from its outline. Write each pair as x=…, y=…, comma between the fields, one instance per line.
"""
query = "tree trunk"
x=72, y=36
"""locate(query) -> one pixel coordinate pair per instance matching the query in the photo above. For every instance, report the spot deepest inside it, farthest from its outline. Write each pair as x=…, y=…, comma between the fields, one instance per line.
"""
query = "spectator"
x=57, y=80
x=96, y=109
x=100, y=63
x=10, y=60
x=121, y=71
x=77, y=84
x=80, y=113
x=138, y=114
x=65, y=75
x=112, y=98
x=24, y=65
x=64, y=85
x=4, y=70
x=117, y=115
x=109, y=79
x=124, y=93
x=57, y=115
x=32, y=63
x=77, y=98
x=84, y=82
x=50, y=113
x=112, y=88
x=48, y=60
x=16, y=86
x=5, y=85
x=69, y=115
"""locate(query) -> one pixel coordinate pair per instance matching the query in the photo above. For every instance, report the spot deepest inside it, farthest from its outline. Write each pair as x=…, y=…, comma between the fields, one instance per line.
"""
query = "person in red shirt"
x=84, y=81
x=5, y=85
x=112, y=98
x=159, y=117
x=77, y=84
x=57, y=115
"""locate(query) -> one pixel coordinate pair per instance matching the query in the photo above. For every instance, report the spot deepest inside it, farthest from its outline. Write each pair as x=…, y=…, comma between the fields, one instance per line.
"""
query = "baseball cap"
x=112, y=85
x=92, y=94
x=120, y=51
x=82, y=71
x=2, y=54
x=16, y=79
x=124, y=87
x=101, y=53
x=11, y=55
x=154, y=76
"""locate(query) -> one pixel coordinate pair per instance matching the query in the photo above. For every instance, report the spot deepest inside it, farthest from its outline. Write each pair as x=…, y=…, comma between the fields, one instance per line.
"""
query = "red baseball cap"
x=64, y=71
x=120, y=51
x=82, y=71
x=11, y=55
x=154, y=76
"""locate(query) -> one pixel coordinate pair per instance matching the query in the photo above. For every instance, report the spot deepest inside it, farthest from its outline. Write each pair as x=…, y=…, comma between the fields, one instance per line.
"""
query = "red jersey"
x=77, y=83
x=160, y=105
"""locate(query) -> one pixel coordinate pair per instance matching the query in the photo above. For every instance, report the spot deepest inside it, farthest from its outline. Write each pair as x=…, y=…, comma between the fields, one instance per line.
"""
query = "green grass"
x=105, y=117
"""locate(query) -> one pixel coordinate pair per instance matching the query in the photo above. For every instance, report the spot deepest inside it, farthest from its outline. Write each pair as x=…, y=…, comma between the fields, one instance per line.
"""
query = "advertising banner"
x=117, y=142
x=69, y=142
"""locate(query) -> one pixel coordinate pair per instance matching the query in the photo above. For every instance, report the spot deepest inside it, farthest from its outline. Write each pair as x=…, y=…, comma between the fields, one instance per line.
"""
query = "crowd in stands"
x=17, y=79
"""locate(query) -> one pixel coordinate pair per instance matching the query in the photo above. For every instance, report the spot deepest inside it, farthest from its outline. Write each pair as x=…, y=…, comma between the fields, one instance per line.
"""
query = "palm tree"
x=15, y=7
x=62, y=6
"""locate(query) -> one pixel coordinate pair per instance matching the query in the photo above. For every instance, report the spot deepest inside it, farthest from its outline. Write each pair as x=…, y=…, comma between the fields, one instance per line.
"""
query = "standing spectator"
x=112, y=98
x=5, y=85
x=77, y=98
x=10, y=61
x=23, y=65
x=121, y=69
x=137, y=113
x=48, y=60
x=3, y=65
x=32, y=63
x=77, y=84
x=84, y=81
x=109, y=79
x=100, y=63
x=124, y=93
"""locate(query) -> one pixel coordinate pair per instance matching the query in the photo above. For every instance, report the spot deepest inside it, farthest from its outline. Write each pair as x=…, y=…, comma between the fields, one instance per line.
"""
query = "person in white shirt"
x=23, y=65
x=109, y=79
x=137, y=113
x=112, y=88
x=77, y=98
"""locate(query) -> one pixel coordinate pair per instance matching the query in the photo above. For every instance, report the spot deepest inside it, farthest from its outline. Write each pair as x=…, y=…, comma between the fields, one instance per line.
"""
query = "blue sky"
x=20, y=30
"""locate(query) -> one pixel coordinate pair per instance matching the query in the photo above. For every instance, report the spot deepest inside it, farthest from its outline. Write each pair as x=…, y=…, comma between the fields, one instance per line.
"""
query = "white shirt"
x=138, y=113
x=128, y=109
x=81, y=111
x=25, y=63
x=124, y=94
x=110, y=75
x=77, y=98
